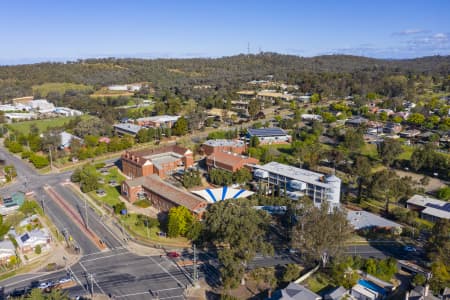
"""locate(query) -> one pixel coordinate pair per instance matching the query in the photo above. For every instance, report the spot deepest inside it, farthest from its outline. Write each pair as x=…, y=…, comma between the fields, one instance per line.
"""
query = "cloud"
x=407, y=32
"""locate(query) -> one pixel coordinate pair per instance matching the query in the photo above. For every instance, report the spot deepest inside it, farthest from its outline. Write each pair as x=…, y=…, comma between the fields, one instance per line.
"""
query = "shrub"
x=38, y=249
x=39, y=161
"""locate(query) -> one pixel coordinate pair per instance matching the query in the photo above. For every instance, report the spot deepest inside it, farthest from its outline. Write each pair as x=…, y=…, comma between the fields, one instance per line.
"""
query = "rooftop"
x=297, y=173
x=166, y=190
x=272, y=131
x=162, y=119
x=131, y=128
x=364, y=219
x=224, y=143
x=432, y=206
x=223, y=193
x=231, y=159
x=297, y=291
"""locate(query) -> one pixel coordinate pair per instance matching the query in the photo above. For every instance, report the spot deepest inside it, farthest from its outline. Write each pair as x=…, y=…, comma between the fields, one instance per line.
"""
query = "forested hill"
x=219, y=72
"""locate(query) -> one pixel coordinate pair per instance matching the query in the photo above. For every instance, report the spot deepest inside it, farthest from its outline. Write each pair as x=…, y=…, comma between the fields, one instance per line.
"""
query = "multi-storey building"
x=213, y=146
x=296, y=183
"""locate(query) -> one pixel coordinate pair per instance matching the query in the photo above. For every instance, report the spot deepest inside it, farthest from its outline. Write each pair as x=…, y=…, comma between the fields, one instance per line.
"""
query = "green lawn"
x=59, y=87
x=317, y=282
x=151, y=234
x=370, y=150
x=43, y=125
x=144, y=203
x=112, y=193
x=407, y=152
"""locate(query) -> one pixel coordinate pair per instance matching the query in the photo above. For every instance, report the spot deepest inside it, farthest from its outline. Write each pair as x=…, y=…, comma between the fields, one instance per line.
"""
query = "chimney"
x=426, y=290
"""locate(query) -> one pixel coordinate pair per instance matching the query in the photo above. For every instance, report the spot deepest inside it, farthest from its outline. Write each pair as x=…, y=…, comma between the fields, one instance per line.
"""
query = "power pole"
x=85, y=212
x=91, y=278
x=195, y=267
x=51, y=159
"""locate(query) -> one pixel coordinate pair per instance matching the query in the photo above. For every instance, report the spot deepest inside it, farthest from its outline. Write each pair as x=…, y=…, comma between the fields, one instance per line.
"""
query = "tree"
x=388, y=150
x=243, y=175
x=444, y=193
x=181, y=127
x=180, y=219
x=231, y=223
x=315, y=98
x=353, y=139
x=419, y=279
x=88, y=178
x=38, y=249
x=321, y=234
x=253, y=108
x=291, y=272
x=10, y=172
x=254, y=142
x=416, y=119
x=361, y=168
x=438, y=245
x=39, y=161
x=15, y=147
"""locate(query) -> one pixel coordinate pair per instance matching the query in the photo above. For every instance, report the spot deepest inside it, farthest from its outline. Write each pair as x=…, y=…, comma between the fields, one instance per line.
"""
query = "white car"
x=44, y=285
x=410, y=249
x=65, y=279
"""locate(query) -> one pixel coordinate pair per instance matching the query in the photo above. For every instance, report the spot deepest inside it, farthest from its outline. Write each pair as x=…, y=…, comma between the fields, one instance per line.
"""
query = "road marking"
x=134, y=294
x=165, y=270
x=95, y=281
x=23, y=280
x=102, y=257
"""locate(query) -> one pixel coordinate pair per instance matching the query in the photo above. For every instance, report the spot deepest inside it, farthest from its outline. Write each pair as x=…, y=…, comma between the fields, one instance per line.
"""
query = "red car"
x=173, y=254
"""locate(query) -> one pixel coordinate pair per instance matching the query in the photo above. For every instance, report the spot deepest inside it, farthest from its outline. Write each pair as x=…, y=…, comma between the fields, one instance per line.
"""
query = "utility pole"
x=91, y=278
x=195, y=267
x=51, y=159
x=85, y=212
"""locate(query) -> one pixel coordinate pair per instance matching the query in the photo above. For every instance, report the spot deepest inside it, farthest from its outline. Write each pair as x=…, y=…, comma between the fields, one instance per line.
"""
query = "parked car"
x=173, y=254
x=409, y=249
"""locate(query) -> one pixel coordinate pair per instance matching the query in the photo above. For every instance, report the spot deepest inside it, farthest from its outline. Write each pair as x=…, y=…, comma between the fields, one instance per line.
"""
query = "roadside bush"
x=39, y=161
x=26, y=154
x=38, y=249
x=15, y=147
x=119, y=207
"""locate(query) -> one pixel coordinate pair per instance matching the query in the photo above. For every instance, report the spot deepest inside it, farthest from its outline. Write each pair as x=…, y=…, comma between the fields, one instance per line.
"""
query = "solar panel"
x=24, y=237
x=445, y=207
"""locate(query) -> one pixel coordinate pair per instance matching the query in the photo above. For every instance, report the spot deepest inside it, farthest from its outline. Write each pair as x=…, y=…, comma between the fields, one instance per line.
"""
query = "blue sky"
x=59, y=30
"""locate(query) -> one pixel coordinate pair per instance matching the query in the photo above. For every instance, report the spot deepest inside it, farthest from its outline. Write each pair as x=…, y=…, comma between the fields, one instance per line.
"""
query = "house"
x=161, y=161
x=273, y=135
x=213, y=146
x=125, y=87
x=67, y=112
x=298, y=182
x=420, y=293
x=295, y=291
x=22, y=100
x=246, y=95
x=272, y=96
x=392, y=128
x=163, y=121
x=365, y=220
x=12, y=203
x=311, y=117
x=67, y=139
x=337, y=294
x=229, y=161
x=126, y=129
x=356, y=122
x=429, y=208
x=161, y=194
x=7, y=250
x=42, y=106
x=409, y=133
x=28, y=241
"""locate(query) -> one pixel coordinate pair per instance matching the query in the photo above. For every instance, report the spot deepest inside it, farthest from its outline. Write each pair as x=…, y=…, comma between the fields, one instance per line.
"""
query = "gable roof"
x=297, y=291
x=231, y=159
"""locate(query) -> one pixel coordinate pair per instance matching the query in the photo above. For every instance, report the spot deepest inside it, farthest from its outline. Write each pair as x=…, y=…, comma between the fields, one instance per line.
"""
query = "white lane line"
x=165, y=270
x=23, y=280
x=134, y=294
x=103, y=257
x=95, y=281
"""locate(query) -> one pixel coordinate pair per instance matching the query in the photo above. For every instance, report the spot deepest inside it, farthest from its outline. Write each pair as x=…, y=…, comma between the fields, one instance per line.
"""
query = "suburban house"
x=272, y=135
x=362, y=219
x=125, y=87
x=298, y=182
x=11, y=204
x=67, y=139
x=28, y=241
x=213, y=146
x=161, y=161
x=337, y=294
x=42, y=106
x=356, y=122
x=429, y=208
x=295, y=291
x=122, y=129
x=392, y=128
x=421, y=293
x=246, y=95
x=163, y=121
x=161, y=194
x=272, y=96
x=7, y=250
x=229, y=161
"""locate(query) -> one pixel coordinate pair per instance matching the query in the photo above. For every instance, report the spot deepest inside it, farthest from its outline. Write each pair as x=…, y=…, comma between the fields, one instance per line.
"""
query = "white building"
x=125, y=87
x=7, y=250
x=67, y=112
x=42, y=106
x=429, y=208
x=30, y=240
x=67, y=138
x=300, y=182
x=272, y=135
x=21, y=116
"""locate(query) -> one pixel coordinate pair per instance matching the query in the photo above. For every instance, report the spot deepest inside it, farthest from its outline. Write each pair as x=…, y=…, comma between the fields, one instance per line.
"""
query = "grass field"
x=59, y=87
x=317, y=282
x=43, y=125
x=112, y=192
x=407, y=152
x=370, y=150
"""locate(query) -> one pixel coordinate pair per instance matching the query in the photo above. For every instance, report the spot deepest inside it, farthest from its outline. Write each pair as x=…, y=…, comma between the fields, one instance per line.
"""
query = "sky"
x=50, y=30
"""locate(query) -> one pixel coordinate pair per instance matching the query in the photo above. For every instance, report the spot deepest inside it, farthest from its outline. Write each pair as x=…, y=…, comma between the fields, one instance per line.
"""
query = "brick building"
x=229, y=161
x=213, y=146
x=161, y=161
x=161, y=194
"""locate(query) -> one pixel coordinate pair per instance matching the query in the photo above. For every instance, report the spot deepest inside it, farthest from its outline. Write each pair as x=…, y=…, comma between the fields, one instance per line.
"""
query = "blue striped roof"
x=273, y=131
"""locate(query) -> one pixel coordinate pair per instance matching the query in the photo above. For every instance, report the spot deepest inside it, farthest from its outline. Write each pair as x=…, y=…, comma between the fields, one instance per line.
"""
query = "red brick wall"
x=210, y=149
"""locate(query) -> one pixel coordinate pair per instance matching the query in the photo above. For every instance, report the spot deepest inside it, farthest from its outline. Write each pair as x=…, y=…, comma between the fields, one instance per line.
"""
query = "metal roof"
x=224, y=143
x=223, y=193
x=364, y=219
x=297, y=173
x=261, y=132
x=131, y=128
x=432, y=206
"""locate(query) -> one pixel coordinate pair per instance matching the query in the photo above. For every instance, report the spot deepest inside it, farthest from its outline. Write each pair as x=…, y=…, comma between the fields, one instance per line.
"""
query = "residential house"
x=272, y=135
x=161, y=161
x=420, y=293
x=338, y=293
x=122, y=129
x=295, y=291
x=42, y=106
x=356, y=122
x=7, y=250
x=429, y=208
x=28, y=241
x=272, y=96
x=229, y=161
x=298, y=182
x=11, y=204
x=161, y=194
x=67, y=139
x=392, y=128
x=163, y=121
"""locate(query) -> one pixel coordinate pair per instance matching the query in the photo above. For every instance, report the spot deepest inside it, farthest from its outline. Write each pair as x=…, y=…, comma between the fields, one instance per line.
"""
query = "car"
x=65, y=279
x=173, y=254
x=409, y=249
x=44, y=285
